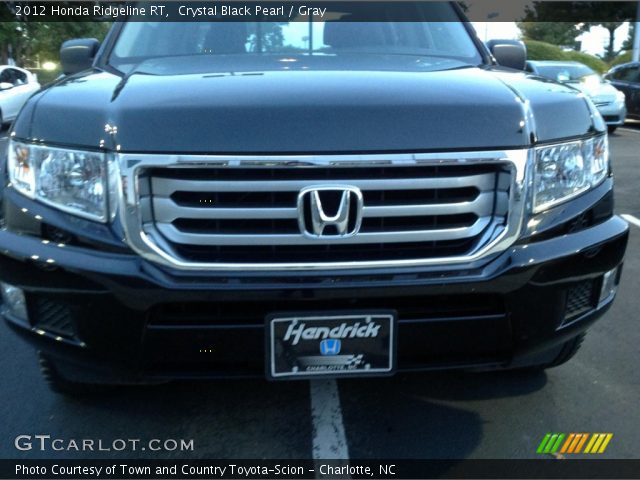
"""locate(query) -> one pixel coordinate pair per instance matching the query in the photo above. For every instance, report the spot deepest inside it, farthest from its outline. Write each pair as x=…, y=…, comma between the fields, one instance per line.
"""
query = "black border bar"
x=544, y=467
x=363, y=10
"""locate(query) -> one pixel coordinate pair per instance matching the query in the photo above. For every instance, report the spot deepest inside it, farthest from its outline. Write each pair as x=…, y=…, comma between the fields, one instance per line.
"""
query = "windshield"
x=567, y=73
x=334, y=34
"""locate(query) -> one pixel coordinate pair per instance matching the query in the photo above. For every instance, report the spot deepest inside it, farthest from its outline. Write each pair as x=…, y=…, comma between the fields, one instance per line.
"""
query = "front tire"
x=566, y=353
x=612, y=128
x=58, y=384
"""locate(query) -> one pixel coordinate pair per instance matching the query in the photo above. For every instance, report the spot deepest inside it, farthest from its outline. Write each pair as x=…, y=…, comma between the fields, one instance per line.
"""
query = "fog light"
x=13, y=298
x=609, y=285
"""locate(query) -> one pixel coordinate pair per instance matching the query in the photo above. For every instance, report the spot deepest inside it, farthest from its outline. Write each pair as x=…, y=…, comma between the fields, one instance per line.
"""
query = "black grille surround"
x=52, y=316
x=433, y=331
x=249, y=215
x=581, y=299
x=253, y=313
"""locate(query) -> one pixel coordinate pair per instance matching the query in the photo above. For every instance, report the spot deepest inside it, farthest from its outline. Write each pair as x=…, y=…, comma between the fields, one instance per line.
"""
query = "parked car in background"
x=626, y=78
x=16, y=86
x=608, y=99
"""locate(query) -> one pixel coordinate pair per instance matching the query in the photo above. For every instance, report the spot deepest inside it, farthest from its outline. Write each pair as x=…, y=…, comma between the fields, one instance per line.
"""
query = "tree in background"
x=556, y=33
x=585, y=15
x=609, y=15
x=610, y=51
x=25, y=40
x=47, y=37
x=628, y=43
x=265, y=36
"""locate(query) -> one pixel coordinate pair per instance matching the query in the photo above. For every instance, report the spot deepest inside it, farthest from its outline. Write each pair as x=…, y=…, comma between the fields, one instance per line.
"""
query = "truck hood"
x=293, y=109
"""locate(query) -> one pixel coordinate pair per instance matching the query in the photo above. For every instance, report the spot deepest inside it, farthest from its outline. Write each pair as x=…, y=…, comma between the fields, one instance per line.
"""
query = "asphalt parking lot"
x=444, y=415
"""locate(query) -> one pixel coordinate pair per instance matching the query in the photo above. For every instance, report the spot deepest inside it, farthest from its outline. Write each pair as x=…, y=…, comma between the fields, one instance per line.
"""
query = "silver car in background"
x=609, y=100
x=16, y=86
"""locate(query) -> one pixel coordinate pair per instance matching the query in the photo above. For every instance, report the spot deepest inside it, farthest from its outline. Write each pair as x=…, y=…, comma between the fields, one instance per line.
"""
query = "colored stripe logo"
x=574, y=443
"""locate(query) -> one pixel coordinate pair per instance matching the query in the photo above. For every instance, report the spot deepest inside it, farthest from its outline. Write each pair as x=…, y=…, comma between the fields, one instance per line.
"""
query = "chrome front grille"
x=245, y=214
x=190, y=206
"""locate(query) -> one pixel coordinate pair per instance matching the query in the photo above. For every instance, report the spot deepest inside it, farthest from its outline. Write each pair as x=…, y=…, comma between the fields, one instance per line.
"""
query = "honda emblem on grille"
x=330, y=211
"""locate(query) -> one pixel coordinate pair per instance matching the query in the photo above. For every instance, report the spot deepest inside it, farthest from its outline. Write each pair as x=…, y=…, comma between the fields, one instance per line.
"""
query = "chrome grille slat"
x=166, y=210
x=164, y=187
x=482, y=205
x=175, y=235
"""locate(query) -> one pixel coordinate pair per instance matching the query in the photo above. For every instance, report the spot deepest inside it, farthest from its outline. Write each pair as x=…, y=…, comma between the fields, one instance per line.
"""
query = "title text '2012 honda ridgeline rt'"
x=296, y=200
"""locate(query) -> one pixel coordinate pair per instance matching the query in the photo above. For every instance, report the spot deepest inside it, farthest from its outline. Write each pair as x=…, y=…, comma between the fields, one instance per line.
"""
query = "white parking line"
x=631, y=219
x=329, y=439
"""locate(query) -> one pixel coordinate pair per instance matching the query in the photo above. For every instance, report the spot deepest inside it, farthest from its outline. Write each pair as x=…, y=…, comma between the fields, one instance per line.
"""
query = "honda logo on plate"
x=332, y=211
x=330, y=346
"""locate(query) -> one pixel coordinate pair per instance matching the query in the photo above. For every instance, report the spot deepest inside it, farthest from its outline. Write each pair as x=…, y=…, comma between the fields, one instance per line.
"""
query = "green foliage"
x=610, y=52
x=628, y=43
x=625, y=57
x=609, y=15
x=545, y=51
x=268, y=34
x=47, y=37
x=591, y=61
x=27, y=41
x=46, y=76
x=557, y=33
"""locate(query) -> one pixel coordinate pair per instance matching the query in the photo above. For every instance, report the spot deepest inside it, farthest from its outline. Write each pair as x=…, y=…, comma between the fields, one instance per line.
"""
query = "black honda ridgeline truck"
x=337, y=198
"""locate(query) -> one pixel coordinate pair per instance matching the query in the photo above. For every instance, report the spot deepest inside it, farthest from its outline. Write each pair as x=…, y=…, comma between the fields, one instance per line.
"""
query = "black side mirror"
x=77, y=55
x=509, y=53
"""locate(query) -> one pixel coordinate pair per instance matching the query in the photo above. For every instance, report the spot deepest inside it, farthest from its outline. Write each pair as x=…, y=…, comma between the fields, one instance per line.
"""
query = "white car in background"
x=608, y=99
x=16, y=86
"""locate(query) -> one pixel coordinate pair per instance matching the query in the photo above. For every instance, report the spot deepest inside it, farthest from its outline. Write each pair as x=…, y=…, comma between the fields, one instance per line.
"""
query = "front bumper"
x=132, y=321
x=614, y=113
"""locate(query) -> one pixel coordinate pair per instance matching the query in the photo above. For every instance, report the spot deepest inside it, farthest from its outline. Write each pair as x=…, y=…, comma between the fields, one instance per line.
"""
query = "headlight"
x=565, y=170
x=79, y=182
x=620, y=97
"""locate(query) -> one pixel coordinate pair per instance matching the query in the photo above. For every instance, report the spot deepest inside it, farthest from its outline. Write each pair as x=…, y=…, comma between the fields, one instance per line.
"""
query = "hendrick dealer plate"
x=334, y=345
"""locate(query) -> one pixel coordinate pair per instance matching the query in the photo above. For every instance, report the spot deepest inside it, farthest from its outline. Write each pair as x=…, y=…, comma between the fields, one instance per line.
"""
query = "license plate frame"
x=359, y=353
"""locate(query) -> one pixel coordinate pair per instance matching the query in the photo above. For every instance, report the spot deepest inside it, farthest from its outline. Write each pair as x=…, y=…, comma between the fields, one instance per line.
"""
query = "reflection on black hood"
x=302, y=104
